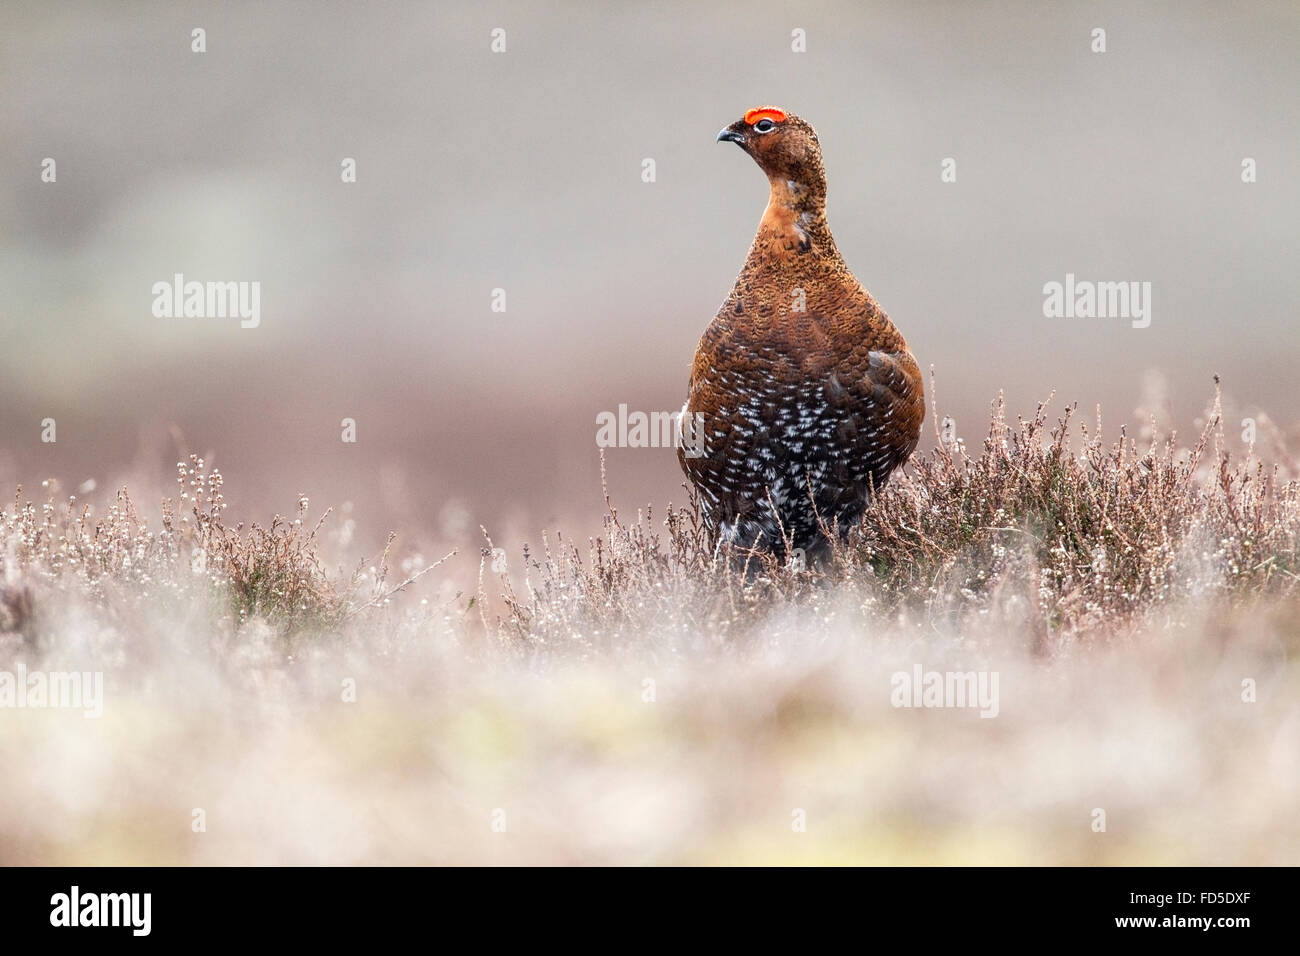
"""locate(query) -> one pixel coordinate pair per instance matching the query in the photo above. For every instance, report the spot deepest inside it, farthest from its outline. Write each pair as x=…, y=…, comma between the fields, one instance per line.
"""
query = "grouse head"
x=784, y=146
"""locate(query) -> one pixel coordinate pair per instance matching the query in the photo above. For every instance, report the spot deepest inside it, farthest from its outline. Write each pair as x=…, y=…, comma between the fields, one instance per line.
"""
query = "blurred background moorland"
x=522, y=171
x=1122, y=680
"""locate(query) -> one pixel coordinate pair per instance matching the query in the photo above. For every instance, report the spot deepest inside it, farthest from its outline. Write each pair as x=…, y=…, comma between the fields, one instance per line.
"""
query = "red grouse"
x=806, y=395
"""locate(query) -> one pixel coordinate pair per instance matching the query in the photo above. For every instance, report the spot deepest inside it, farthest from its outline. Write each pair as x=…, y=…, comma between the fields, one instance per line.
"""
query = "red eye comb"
x=764, y=112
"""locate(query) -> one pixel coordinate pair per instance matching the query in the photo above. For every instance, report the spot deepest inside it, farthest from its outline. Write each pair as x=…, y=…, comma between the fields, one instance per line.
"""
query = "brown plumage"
x=804, y=411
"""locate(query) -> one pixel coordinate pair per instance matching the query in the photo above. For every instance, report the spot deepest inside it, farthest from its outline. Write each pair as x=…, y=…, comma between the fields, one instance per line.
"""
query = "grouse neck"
x=799, y=210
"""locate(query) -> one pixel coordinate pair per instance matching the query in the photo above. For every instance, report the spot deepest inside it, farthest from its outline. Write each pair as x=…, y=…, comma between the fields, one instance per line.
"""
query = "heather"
x=642, y=696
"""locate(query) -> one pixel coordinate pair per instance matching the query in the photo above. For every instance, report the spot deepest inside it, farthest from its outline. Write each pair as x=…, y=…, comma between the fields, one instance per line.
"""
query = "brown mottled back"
x=808, y=394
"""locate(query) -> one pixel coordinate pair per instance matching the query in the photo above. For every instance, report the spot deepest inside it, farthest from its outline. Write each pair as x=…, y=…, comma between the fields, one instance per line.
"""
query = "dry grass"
x=1057, y=543
x=272, y=575
x=639, y=698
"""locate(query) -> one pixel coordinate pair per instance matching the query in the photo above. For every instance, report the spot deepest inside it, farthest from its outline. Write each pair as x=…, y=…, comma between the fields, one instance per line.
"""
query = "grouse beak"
x=730, y=134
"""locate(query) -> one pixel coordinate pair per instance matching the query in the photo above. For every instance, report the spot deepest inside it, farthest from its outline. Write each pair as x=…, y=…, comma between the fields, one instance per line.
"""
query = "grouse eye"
x=764, y=126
